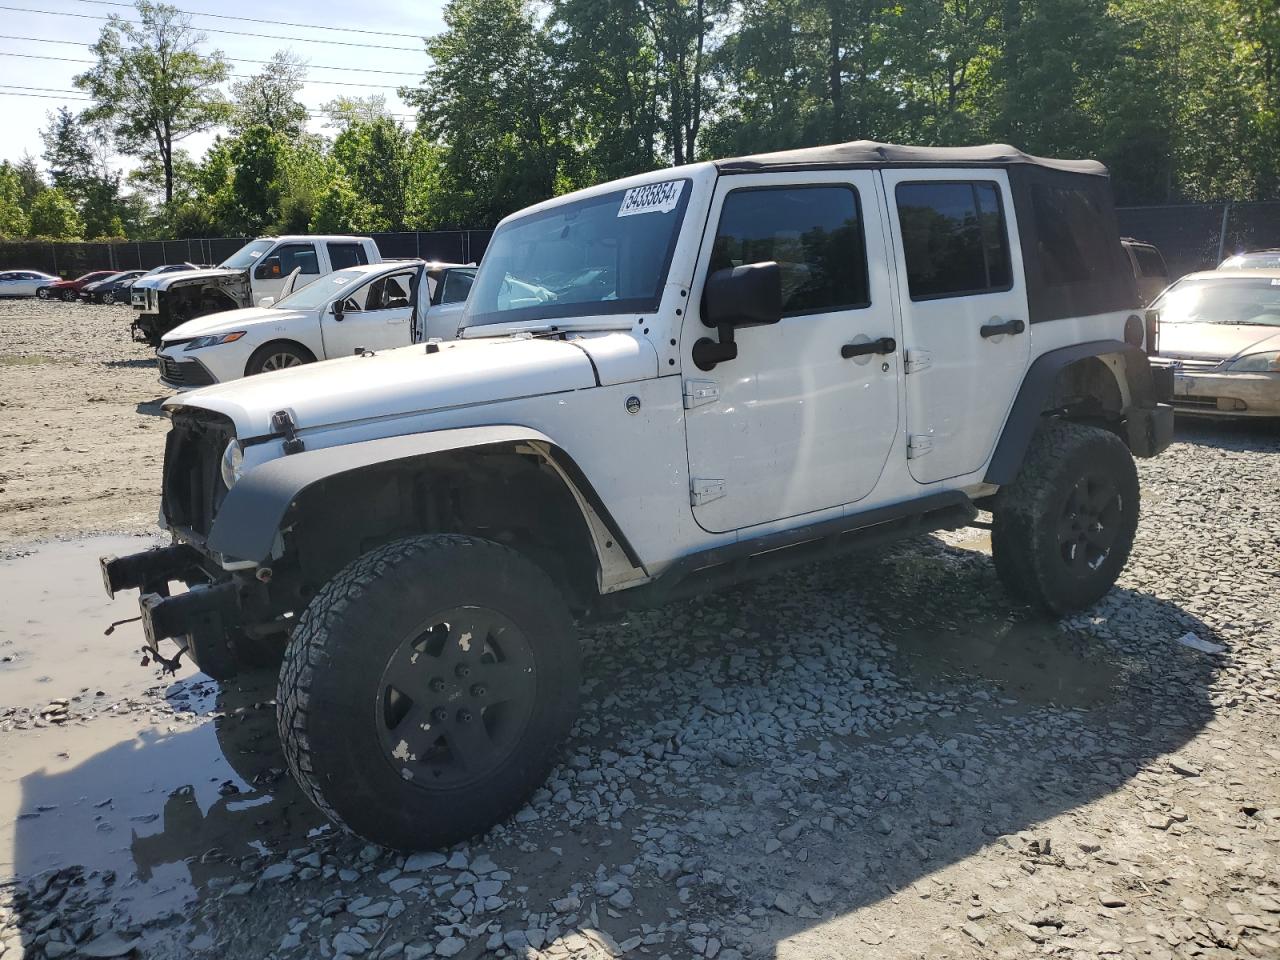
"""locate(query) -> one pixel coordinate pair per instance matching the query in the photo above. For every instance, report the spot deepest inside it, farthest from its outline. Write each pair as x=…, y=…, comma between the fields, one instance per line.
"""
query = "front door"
x=792, y=426
x=964, y=313
x=376, y=316
x=271, y=272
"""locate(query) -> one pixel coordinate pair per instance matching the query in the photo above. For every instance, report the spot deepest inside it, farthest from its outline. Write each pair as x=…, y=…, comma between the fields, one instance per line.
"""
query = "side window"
x=388, y=293
x=290, y=256
x=815, y=235
x=8, y=276
x=457, y=284
x=954, y=238
x=343, y=255
x=1150, y=262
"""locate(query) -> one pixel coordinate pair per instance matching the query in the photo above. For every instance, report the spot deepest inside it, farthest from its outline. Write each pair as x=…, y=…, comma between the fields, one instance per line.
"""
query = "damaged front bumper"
x=205, y=620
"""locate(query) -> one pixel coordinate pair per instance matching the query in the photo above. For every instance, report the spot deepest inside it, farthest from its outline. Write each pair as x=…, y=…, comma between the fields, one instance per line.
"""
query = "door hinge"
x=918, y=445
x=918, y=360
x=704, y=491
x=698, y=392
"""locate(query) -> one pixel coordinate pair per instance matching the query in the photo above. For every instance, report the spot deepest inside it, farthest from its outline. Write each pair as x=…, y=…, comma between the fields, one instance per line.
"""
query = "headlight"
x=232, y=461
x=215, y=339
x=1257, y=363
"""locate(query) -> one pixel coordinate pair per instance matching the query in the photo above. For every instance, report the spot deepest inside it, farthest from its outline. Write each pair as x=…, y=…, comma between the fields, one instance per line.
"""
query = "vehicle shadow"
x=151, y=408
x=147, y=363
x=798, y=749
x=1246, y=435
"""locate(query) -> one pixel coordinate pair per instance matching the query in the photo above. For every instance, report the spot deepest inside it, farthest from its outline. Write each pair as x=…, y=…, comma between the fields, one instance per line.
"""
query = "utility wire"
x=273, y=23
x=79, y=43
x=235, y=33
x=241, y=76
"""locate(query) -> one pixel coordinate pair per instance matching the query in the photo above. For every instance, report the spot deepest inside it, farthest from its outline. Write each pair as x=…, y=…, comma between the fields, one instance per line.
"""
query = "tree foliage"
x=53, y=215
x=269, y=98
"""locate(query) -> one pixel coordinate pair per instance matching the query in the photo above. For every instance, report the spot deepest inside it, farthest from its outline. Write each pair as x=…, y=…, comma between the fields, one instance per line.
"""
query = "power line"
x=79, y=95
x=275, y=23
x=326, y=83
x=235, y=33
x=78, y=43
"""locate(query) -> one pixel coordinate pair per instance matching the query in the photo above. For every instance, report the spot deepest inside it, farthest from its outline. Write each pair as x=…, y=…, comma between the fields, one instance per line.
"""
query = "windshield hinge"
x=918, y=445
x=704, y=491
x=698, y=392
x=918, y=360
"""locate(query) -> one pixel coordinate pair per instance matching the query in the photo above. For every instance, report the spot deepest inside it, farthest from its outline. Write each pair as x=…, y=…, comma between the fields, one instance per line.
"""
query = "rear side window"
x=343, y=255
x=1074, y=246
x=814, y=234
x=954, y=238
x=457, y=284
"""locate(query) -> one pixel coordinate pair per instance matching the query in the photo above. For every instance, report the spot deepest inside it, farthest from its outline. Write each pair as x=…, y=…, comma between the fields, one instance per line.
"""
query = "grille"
x=139, y=298
x=1194, y=363
x=189, y=374
x=193, y=487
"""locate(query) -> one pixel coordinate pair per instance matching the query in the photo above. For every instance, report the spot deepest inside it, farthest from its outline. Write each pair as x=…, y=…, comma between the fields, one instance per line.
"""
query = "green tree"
x=374, y=156
x=153, y=86
x=53, y=215
x=269, y=98
x=257, y=163
x=79, y=167
x=491, y=97
x=340, y=209
x=13, y=217
x=343, y=111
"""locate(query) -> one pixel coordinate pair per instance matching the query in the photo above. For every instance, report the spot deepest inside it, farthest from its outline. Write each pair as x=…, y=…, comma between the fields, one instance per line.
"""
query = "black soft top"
x=869, y=153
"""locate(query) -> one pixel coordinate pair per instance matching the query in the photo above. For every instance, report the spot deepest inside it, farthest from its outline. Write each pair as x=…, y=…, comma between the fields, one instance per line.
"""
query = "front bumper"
x=202, y=621
x=183, y=374
x=1224, y=394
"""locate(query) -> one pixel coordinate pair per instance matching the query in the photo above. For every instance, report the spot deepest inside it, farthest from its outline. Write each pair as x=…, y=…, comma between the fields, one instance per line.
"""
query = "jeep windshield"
x=1227, y=300
x=245, y=256
x=603, y=254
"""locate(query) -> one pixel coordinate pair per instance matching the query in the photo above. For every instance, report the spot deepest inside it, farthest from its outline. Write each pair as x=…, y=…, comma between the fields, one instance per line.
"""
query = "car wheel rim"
x=455, y=698
x=108, y=298
x=1090, y=524
x=281, y=361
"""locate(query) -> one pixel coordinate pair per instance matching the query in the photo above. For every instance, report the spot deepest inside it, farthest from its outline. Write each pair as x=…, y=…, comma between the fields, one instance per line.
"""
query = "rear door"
x=376, y=316
x=964, y=313
x=448, y=301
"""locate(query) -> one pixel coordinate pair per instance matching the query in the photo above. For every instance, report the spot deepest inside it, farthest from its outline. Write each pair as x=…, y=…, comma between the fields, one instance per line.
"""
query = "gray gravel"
x=880, y=757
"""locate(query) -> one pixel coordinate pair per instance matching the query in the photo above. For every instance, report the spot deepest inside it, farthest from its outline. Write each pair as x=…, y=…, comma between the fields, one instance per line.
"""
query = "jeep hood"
x=397, y=383
x=229, y=320
x=163, y=281
x=1216, y=341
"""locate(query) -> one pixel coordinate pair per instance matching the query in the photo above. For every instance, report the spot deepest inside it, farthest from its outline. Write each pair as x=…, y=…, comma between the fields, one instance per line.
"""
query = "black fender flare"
x=251, y=514
x=1037, y=388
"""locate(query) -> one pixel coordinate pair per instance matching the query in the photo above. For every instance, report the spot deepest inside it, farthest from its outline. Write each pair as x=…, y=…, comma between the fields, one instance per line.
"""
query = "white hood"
x=1216, y=341
x=229, y=320
x=163, y=281
x=401, y=382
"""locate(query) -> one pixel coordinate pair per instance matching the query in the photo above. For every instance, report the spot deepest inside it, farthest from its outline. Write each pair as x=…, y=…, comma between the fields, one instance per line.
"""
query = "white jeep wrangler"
x=664, y=385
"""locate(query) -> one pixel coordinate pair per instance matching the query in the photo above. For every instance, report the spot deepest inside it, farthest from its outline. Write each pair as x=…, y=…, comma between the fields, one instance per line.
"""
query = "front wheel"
x=108, y=298
x=1062, y=531
x=426, y=689
x=70, y=296
x=42, y=293
x=277, y=356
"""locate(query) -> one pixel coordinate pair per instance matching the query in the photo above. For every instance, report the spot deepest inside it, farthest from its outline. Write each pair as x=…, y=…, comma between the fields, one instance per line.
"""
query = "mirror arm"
x=707, y=352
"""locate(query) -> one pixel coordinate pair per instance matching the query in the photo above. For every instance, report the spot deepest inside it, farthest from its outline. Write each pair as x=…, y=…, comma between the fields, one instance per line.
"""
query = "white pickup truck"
x=254, y=273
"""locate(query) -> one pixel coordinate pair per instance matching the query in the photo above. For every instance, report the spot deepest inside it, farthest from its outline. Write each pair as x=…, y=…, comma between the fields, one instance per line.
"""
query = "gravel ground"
x=877, y=758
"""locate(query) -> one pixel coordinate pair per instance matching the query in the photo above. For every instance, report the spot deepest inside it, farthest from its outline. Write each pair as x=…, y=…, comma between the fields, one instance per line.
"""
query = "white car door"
x=794, y=425
x=964, y=314
x=448, y=302
x=270, y=272
x=376, y=316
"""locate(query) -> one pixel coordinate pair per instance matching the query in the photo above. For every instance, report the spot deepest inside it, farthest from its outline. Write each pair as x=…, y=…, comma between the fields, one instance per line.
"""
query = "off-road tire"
x=271, y=353
x=1032, y=517
x=331, y=687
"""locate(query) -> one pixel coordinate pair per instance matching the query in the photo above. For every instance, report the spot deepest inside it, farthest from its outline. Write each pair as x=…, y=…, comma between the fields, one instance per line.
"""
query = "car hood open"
x=1216, y=341
x=397, y=383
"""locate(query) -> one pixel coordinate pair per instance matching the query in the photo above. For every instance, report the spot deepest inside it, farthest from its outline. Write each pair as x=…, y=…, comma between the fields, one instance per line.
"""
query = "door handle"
x=997, y=328
x=883, y=345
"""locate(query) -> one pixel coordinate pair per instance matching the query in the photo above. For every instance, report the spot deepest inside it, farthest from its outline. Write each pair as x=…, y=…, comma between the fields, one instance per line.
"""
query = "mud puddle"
x=1029, y=660
x=160, y=779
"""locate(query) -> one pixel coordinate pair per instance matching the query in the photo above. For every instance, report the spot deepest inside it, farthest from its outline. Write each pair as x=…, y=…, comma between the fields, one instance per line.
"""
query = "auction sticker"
x=651, y=198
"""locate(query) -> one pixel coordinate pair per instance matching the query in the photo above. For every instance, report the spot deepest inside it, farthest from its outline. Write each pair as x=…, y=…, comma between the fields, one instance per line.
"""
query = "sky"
x=25, y=115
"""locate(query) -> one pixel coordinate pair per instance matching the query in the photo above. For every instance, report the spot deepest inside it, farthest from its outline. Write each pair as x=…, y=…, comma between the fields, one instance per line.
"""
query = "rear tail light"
x=1133, y=330
x=1153, y=332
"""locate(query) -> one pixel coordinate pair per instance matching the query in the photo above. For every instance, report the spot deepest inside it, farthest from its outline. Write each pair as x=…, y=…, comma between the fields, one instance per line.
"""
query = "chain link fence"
x=1199, y=236
x=75, y=259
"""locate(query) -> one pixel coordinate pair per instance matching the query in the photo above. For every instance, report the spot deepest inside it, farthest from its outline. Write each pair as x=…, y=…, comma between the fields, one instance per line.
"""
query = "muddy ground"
x=878, y=758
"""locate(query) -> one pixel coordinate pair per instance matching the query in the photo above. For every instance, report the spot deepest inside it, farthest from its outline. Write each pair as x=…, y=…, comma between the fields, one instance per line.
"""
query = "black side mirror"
x=745, y=296
x=268, y=268
x=337, y=310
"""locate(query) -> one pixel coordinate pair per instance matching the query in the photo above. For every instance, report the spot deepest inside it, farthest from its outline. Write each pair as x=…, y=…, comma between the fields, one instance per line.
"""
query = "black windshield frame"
x=558, y=311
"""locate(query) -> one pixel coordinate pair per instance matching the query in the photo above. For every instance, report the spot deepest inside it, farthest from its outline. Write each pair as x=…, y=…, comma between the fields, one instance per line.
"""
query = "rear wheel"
x=70, y=296
x=43, y=293
x=108, y=298
x=277, y=356
x=1062, y=531
x=426, y=689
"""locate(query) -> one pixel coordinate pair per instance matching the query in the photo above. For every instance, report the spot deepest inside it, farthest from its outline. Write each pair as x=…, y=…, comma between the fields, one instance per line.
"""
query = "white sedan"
x=369, y=307
x=23, y=283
